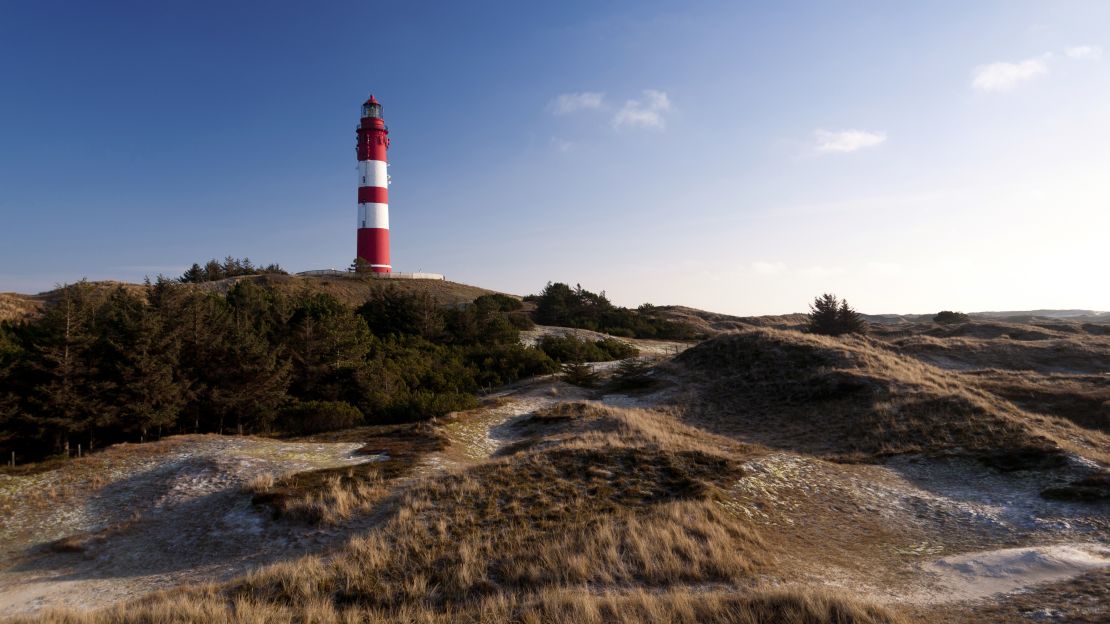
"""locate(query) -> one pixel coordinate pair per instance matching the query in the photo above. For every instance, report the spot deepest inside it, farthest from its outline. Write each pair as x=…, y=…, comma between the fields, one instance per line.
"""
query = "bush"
x=572, y=349
x=317, y=417
x=499, y=302
x=563, y=306
x=503, y=364
x=947, y=317
x=617, y=349
x=425, y=404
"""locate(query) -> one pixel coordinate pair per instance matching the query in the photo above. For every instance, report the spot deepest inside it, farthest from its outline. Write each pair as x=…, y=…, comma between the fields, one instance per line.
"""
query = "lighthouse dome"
x=371, y=108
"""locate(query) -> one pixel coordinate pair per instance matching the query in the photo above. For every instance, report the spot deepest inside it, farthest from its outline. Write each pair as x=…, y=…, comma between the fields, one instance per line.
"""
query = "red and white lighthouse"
x=373, y=188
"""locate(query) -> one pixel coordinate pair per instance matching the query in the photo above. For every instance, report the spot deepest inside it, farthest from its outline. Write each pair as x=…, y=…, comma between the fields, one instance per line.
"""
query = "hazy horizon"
x=738, y=159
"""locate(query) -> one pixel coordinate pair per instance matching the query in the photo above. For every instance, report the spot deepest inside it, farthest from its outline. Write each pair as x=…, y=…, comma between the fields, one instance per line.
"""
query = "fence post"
x=78, y=450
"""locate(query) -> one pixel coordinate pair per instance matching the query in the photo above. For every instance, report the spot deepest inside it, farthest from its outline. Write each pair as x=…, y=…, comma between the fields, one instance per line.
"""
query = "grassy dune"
x=856, y=398
x=611, y=515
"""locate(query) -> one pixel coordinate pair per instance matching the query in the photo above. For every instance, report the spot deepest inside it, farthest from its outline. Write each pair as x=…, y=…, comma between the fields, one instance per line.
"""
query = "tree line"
x=214, y=270
x=103, y=365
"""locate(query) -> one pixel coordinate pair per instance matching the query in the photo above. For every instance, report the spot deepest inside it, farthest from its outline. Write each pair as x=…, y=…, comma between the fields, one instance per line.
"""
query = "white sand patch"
x=980, y=574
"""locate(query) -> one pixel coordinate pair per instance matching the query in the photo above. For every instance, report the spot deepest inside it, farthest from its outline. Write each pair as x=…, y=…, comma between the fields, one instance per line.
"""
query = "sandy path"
x=475, y=435
x=648, y=348
x=977, y=575
x=138, y=518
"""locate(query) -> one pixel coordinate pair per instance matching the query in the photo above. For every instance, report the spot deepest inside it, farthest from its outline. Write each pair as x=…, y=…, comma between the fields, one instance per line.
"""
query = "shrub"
x=563, y=306
x=499, y=302
x=617, y=349
x=425, y=404
x=572, y=349
x=501, y=364
x=318, y=416
x=947, y=317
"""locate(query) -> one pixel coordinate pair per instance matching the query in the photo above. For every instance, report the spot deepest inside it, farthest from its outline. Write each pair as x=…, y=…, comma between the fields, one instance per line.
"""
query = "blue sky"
x=736, y=156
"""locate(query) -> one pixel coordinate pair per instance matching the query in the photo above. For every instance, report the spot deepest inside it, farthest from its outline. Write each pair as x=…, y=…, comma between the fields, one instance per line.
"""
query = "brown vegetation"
x=1052, y=353
x=854, y=398
x=14, y=306
x=331, y=495
x=1082, y=399
x=570, y=606
x=713, y=323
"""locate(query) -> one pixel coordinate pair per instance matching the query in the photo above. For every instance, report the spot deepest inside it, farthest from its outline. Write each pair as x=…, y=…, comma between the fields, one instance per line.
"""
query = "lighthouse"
x=373, y=188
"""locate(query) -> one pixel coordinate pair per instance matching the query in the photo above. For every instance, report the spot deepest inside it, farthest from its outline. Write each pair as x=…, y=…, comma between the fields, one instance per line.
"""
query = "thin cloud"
x=1004, y=76
x=769, y=268
x=561, y=145
x=1084, y=53
x=647, y=112
x=566, y=103
x=821, y=271
x=884, y=269
x=846, y=141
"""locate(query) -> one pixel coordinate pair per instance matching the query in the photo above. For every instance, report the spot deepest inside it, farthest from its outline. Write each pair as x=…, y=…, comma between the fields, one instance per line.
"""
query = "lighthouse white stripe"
x=373, y=173
x=373, y=216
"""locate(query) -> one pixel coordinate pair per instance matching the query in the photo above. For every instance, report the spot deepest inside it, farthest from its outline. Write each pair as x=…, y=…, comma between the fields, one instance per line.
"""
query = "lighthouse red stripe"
x=373, y=195
x=373, y=247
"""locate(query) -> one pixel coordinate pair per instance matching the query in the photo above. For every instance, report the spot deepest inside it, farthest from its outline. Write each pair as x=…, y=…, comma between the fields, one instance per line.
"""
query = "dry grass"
x=713, y=323
x=570, y=606
x=625, y=500
x=333, y=495
x=853, y=398
x=1025, y=348
x=1082, y=399
x=585, y=424
x=14, y=306
x=552, y=518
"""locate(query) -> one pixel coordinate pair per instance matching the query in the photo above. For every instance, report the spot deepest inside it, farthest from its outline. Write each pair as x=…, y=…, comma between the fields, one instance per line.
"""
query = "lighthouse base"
x=373, y=249
x=354, y=274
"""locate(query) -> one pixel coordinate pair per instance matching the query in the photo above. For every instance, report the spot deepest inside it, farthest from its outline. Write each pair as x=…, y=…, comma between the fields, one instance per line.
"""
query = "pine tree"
x=68, y=394
x=140, y=357
x=849, y=321
x=325, y=341
x=830, y=316
x=823, y=315
x=248, y=381
x=632, y=373
x=580, y=374
x=193, y=275
x=200, y=321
